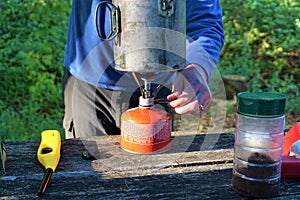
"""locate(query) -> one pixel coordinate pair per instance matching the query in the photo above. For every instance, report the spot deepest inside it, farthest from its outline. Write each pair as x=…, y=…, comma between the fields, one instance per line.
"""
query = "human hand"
x=190, y=91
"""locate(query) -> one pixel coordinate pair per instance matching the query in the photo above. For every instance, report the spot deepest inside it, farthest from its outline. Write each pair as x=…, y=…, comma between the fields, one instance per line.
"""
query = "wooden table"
x=197, y=166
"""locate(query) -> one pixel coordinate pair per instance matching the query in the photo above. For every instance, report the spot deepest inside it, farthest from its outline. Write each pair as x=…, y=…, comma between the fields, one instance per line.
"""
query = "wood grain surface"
x=197, y=166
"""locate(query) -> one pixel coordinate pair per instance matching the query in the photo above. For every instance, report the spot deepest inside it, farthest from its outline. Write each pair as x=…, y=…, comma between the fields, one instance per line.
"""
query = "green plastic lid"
x=262, y=104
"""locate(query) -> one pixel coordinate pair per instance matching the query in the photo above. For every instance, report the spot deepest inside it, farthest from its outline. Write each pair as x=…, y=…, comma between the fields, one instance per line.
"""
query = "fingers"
x=197, y=106
x=190, y=94
x=179, y=100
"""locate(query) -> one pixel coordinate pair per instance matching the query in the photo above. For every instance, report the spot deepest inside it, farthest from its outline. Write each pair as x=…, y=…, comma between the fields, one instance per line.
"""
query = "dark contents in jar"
x=265, y=184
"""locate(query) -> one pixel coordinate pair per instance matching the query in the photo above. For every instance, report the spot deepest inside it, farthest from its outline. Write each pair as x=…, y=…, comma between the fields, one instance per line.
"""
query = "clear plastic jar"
x=260, y=122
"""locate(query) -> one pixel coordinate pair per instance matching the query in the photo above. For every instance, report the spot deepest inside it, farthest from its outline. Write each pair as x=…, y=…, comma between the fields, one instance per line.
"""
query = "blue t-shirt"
x=90, y=59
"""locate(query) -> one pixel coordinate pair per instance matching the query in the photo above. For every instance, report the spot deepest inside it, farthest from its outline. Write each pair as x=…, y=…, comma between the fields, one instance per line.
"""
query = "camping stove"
x=149, y=37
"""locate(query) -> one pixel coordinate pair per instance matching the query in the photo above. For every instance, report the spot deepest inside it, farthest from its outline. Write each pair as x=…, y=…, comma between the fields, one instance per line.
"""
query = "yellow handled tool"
x=48, y=155
x=2, y=159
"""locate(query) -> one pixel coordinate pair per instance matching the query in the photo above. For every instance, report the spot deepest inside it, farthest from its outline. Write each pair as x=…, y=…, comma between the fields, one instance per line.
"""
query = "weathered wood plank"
x=203, y=171
x=200, y=183
x=169, y=186
x=22, y=155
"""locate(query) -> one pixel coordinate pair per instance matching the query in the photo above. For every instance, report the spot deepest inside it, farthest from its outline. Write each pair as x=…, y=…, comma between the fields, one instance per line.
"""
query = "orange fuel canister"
x=145, y=130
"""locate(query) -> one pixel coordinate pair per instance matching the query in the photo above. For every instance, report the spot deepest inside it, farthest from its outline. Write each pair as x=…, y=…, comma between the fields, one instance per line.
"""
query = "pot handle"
x=115, y=21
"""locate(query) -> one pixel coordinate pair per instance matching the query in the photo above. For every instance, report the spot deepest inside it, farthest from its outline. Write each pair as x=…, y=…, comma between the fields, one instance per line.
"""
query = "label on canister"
x=145, y=138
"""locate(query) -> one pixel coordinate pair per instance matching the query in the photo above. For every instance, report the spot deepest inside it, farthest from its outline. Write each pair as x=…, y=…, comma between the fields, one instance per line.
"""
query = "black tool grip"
x=46, y=179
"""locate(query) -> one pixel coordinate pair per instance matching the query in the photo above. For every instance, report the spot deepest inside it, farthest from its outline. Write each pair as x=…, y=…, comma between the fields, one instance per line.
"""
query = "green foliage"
x=262, y=44
x=32, y=41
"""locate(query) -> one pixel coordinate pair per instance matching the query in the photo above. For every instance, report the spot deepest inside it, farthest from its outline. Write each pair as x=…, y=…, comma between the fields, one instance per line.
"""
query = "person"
x=96, y=94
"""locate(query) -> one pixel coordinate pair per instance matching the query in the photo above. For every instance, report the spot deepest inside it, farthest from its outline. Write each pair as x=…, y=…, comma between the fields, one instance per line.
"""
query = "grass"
x=15, y=127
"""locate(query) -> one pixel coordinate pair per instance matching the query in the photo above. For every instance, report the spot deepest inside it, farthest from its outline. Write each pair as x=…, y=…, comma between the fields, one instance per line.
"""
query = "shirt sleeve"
x=205, y=33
